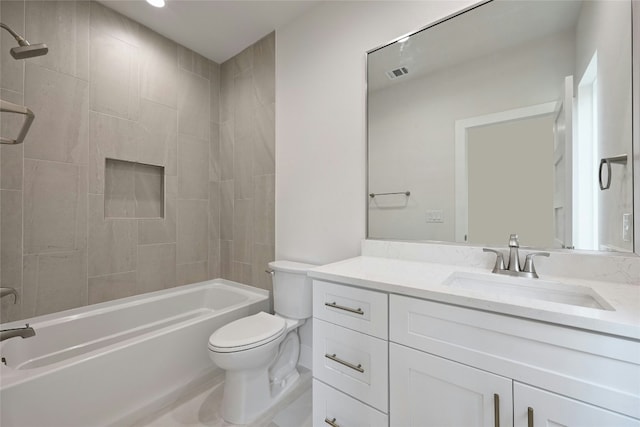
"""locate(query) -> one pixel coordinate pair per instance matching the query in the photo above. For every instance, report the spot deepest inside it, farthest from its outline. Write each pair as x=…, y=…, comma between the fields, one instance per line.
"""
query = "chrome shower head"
x=29, y=51
x=25, y=50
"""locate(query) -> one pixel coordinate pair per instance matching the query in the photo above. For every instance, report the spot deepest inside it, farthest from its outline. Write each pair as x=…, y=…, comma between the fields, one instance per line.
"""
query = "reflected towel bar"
x=406, y=193
x=8, y=107
x=608, y=160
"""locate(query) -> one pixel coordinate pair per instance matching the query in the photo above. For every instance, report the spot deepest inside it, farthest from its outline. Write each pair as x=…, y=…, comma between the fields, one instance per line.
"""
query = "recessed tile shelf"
x=133, y=190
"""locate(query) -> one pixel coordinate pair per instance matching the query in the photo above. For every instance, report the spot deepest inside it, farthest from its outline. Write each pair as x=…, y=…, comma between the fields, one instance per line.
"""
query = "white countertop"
x=425, y=280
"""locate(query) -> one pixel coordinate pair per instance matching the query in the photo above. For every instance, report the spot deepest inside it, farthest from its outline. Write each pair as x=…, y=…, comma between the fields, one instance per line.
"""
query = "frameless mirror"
x=510, y=117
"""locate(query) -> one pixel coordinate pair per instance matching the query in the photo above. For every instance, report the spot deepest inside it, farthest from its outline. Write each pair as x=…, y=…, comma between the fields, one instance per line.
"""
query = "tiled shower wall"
x=111, y=88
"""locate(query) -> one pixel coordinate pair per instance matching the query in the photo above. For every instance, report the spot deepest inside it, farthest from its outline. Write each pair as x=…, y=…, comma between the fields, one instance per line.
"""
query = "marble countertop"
x=428, y=281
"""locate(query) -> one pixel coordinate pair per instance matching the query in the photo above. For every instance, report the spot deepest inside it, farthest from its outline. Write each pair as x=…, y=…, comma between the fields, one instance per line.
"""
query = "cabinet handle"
x=331, y=422
x=496, y=410
x=529, y=416
x=345, y=363
x=342, y=307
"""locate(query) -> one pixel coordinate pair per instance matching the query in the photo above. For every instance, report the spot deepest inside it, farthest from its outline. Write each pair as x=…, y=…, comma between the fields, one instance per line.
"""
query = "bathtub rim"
x=106, y=306
x=10, y=377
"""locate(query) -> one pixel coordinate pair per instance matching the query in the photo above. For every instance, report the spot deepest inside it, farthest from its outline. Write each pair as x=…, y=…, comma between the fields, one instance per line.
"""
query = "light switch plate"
x=626, y=227
x=435, y=216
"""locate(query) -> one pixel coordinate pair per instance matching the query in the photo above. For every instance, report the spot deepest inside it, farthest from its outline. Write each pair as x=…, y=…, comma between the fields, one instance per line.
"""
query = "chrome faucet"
x=25, y=332
x=9, y=291
x=513, y=267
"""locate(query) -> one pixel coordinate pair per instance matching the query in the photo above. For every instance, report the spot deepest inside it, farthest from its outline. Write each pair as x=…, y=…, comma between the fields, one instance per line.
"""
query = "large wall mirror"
x=510, y=117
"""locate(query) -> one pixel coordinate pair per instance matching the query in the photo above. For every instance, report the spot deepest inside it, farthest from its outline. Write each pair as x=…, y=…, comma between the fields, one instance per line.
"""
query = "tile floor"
x=201, y=408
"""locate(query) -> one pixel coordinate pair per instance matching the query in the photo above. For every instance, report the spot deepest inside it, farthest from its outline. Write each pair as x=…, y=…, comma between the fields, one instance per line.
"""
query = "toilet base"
x=248, y=394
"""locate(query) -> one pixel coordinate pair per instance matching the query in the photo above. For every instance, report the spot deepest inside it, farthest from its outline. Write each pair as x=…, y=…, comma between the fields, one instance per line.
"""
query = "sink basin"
x=532, y=289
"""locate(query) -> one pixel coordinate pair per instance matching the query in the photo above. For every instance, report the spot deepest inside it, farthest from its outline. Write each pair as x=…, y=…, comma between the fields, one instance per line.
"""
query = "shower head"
x=29, y=51
x=25, y=50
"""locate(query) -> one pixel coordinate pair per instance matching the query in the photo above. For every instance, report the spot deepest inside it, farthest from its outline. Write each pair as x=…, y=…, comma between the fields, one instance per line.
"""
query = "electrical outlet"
x=435, y=216
x=626, y=227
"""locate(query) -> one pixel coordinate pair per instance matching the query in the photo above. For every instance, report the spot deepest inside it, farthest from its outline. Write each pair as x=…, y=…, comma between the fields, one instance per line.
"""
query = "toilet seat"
x=247, y=333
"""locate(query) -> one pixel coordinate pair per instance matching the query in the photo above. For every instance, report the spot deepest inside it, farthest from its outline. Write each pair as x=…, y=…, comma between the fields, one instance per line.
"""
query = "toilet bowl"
x=259, y=353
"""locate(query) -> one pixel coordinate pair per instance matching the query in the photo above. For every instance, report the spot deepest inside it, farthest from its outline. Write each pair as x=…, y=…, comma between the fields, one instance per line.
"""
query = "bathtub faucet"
x=9, y=291
x=25, y=332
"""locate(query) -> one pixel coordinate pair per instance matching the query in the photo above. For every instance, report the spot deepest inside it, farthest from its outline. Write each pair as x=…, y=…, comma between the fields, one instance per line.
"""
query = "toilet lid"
x=246, y=333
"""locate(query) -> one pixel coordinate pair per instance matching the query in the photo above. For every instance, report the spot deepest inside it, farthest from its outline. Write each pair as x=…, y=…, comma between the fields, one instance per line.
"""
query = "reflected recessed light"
x=156, y=3
x=402, y=40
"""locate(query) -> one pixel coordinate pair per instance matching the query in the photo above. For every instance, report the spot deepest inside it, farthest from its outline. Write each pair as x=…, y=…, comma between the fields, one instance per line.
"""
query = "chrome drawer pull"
x=331, y=422
x=496, y=410
x=529, y=416
x=341, y=307
x=342, y=362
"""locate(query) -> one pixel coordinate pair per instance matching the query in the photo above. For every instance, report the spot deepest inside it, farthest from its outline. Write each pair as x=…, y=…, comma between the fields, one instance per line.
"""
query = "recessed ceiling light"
x=156, y=3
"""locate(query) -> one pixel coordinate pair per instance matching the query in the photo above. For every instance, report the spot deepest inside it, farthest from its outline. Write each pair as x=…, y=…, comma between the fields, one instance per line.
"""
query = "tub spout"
x=25, y=332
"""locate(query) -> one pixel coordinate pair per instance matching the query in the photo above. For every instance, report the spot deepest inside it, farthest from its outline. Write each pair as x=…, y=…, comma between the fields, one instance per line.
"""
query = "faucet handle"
x=528, y=263
x=499, y=266
x=513, y=241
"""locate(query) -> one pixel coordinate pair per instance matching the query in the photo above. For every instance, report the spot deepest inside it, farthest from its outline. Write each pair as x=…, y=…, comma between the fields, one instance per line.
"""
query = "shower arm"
x=21, y=41
x=8, y=107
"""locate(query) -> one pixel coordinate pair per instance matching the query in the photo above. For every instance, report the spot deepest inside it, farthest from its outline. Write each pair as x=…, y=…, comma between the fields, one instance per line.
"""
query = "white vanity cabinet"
x=350, y=356
x=460, y=358
x=428, y=363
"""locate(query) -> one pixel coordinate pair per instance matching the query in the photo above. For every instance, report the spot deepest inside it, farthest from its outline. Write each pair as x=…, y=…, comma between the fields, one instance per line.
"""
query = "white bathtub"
x=111, y=363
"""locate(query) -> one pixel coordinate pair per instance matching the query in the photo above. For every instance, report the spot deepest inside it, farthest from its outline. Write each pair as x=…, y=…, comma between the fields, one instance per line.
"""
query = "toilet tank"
x=292, y=292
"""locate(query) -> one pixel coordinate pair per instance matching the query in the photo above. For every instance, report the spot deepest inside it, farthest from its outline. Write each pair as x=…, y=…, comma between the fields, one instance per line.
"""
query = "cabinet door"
x=431, y=391
x=533, y=407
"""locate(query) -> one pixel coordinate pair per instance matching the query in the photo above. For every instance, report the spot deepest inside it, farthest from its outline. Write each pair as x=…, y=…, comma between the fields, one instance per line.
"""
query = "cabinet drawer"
x=358, y=309
x=354, y=363
x=332, y=406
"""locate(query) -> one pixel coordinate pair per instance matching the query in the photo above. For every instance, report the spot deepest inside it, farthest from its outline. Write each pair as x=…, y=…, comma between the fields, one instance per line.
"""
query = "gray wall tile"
x=193, y=105
x=214, y=153
x=264, y=140
x=214, y=259
x=161, y=230
x=113, y=286
x=242, y=168
x=55, y=197
x=64, y=27
x=11, y=71
x=264, y=69
x=112, y=242
x=11, y=156
x=226, y=210
x=114, y=76
x=156, y=267
x=11, y=249
x=55, y=282
x=158, y=136
x=262, y=256
x=227, y=102
x=60, y=103
x=264, y=210
x=192, y=237
x=242, y=230
x=214, y=79
x=244, y=106
x=159, y=69
x=226, y=253
x=193, y=163
x=119, y=189
x=192, y=273
x=241, y=272
x=149, y=191
x=109, y=137
x=214, y=210
x=116, y=25
x=226, y=150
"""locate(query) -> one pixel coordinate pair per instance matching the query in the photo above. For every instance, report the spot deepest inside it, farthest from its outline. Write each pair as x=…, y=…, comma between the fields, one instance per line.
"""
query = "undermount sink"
x=535, y=289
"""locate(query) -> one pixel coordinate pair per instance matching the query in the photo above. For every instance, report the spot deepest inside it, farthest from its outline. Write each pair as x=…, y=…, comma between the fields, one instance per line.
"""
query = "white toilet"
x=259, y=353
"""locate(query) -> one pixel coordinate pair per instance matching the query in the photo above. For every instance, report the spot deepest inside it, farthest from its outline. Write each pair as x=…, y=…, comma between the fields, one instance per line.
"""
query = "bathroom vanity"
x=407, y=343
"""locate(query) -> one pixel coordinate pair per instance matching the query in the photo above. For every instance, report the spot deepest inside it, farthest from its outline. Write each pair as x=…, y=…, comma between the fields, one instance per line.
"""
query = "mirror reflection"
x=512, y=117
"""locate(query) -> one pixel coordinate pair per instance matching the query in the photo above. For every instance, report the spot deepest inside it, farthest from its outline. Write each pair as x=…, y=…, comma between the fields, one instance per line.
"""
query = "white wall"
x=604, y=26
x=320, y=120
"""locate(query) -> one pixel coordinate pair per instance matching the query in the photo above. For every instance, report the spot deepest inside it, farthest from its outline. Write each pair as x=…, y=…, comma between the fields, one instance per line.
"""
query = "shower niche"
x=133, y=190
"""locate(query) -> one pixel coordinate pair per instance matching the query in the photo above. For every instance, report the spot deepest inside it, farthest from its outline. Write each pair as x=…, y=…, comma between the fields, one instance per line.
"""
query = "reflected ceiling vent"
x=398, y=72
